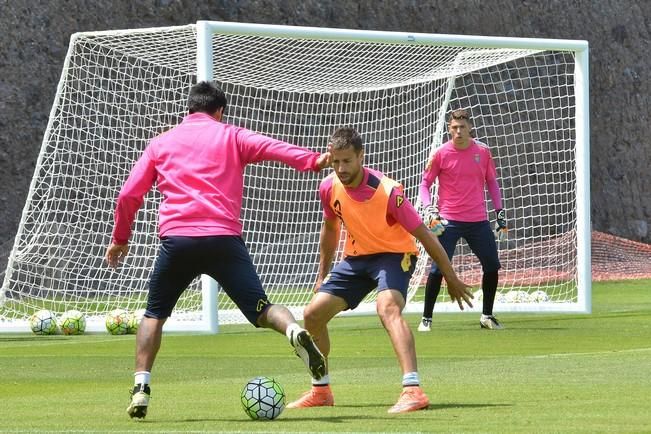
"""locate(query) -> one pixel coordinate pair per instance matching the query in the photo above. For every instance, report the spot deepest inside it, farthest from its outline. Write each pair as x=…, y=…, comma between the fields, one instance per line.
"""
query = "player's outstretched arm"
x=459, y=291
x=258, y=147
x=328, y=241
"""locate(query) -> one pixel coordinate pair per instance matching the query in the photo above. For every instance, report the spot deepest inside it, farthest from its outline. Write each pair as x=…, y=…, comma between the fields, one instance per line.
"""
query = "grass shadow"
x=32, y=338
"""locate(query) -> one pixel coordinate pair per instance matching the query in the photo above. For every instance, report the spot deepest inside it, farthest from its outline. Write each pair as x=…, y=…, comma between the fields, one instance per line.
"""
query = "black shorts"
x=225, y=258
x=355, y=276
x=480, y=238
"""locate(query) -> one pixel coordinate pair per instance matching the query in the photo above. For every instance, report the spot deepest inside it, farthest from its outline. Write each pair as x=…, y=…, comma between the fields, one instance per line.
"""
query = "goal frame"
x=205, y=30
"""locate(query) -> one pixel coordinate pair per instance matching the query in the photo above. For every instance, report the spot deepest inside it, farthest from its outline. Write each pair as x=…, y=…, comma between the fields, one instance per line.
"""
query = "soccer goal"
x=118, y=89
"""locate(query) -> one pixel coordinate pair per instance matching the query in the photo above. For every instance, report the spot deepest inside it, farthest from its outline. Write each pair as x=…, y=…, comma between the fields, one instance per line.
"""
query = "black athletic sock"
x=141, y=388
x=432, y=290
x=489, y=288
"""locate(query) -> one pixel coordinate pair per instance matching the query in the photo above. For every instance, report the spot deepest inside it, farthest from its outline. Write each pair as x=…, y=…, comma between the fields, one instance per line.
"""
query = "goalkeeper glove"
x=433, y=220
x=501, y=230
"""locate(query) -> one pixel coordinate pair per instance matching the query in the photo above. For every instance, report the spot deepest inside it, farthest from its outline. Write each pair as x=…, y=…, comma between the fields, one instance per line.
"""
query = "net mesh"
x=616, y=258
x=120, y=89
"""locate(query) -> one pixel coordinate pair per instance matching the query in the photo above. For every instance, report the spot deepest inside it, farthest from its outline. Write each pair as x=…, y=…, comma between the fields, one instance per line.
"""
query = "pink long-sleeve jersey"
x=198, y=167
x=463, y=175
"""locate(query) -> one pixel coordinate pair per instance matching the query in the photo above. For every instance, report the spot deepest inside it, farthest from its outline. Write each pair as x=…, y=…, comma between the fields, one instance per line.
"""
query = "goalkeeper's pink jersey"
x=463, y=175
x=198, y=167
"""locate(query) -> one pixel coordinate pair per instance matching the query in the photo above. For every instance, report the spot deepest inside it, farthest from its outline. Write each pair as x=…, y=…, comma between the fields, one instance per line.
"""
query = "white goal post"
x=528, y=99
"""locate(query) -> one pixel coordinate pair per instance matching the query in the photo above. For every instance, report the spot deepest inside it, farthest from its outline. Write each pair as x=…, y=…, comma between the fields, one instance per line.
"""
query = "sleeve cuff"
x=120, y=242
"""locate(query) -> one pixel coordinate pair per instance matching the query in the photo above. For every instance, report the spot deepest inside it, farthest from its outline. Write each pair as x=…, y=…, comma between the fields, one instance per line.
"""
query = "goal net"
x=119, y=89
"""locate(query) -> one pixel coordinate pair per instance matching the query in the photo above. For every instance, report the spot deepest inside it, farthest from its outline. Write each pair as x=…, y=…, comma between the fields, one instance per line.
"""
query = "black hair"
x=346, y=137
x=462, y=114
x=459, y=115
x=206, y=97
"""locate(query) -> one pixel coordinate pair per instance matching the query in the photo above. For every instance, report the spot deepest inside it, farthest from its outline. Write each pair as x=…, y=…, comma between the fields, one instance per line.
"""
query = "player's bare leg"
x=389, y=307
x=318, y=313
x=148, y=340
x=280, y=319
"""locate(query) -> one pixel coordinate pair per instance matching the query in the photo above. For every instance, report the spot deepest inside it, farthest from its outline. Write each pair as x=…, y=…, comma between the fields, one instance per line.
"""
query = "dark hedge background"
x=36, y=33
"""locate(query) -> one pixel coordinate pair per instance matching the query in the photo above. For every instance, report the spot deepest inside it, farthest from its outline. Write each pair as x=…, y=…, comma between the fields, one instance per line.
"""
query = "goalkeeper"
x=463, y=166
x=198, y=168
x=380, y=254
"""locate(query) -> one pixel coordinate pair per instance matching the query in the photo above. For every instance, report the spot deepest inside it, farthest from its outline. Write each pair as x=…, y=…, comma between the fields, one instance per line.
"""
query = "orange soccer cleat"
x=412, y=398
x=317, y=396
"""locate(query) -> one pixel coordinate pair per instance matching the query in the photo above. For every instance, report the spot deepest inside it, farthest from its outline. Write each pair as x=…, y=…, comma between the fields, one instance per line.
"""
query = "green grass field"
x=560, y=373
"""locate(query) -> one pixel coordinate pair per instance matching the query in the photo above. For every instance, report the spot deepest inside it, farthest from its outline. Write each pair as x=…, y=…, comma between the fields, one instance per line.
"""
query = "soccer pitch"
x=543, y=373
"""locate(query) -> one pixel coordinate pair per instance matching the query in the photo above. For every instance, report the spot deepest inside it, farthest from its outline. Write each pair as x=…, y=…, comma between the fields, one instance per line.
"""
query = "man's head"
x=347, y=154
x=460, y=128
x=207, y=97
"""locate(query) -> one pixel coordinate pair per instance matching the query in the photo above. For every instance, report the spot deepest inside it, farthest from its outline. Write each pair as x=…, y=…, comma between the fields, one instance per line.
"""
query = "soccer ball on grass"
x=263, y=398
x=72, y=322
x=538, y=296
x=516, y=296
x=43, y=322
x=117, y=322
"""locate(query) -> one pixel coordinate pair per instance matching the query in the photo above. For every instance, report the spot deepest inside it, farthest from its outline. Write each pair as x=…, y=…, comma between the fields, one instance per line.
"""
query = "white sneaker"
x=490, y=322
x=307, y=350
x=139, y=401
x=425, y=325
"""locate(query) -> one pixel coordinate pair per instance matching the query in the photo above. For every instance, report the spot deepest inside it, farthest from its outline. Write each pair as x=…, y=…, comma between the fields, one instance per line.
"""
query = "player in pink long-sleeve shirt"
x=198, y=167
x=464, y=167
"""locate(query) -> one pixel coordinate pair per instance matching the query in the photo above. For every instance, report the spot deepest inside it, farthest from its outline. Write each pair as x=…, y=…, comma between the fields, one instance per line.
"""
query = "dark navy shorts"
x=480, y=239
x=356, y=276
x=225, y=258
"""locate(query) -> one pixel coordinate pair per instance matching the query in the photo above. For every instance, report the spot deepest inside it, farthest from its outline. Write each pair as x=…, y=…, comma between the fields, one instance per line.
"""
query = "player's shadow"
x=431, y=406
x=296, y=417
x=332, y=419
x=459, y=405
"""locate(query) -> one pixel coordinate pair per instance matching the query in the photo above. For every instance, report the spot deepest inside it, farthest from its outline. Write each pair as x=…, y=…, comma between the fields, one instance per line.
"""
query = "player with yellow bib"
x=380, y=254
